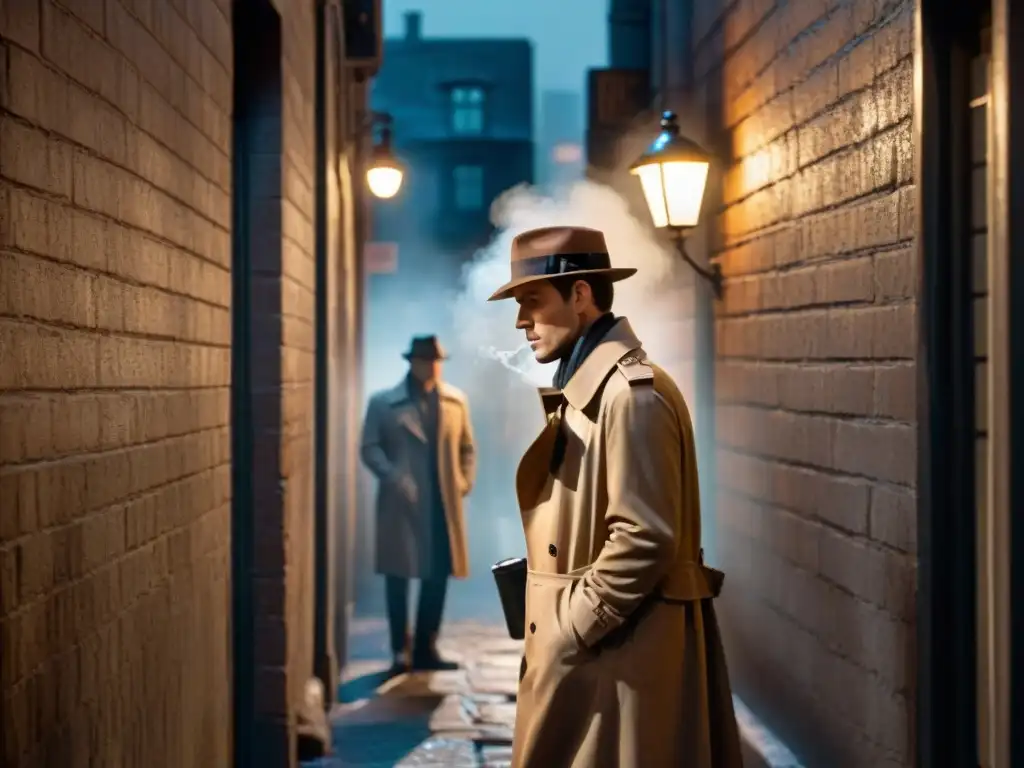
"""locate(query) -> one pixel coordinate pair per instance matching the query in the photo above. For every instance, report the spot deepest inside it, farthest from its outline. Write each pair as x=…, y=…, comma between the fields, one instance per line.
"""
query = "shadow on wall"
x=491, y=363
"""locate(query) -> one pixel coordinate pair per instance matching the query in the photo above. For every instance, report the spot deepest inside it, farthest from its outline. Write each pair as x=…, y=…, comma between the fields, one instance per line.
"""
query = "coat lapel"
x=405, y=411
x=532, y=473
x=593, y=372
x=449, y=412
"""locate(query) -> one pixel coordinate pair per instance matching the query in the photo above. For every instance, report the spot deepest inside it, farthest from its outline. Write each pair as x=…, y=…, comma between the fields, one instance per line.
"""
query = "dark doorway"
x=256, y=156
x=949, y=41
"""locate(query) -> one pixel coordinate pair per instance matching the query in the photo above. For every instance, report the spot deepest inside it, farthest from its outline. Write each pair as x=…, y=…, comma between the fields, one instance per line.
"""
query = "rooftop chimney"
x=413, y=25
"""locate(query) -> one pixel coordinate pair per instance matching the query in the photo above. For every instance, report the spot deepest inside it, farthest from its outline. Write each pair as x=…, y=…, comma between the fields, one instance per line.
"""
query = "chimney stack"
x=413, y=25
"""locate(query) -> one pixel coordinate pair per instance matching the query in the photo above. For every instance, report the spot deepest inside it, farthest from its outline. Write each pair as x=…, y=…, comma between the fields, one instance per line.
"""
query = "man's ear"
x=581, y=294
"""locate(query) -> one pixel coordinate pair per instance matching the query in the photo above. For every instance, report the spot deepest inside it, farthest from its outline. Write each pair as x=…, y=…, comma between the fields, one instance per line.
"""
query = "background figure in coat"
x=623, y=664
x=418, y=442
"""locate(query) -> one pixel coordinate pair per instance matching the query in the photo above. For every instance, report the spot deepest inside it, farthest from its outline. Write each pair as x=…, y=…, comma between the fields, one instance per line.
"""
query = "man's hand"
x=407, y=488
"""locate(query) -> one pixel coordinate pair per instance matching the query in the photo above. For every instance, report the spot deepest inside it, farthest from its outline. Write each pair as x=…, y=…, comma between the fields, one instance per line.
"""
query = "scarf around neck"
x=581, y=350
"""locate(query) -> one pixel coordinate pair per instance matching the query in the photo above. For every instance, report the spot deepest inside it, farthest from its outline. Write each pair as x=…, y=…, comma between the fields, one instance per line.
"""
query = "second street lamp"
x=673, y=174
x=384, y=173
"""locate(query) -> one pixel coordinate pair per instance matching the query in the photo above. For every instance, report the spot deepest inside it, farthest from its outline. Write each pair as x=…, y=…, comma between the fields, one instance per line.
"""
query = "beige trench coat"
x=394, y=443
x=624, y=666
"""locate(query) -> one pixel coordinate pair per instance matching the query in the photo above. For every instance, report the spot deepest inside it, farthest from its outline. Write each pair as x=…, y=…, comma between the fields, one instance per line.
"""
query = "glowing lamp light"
x=384, y=173
x=673, y=174
x=384, y=181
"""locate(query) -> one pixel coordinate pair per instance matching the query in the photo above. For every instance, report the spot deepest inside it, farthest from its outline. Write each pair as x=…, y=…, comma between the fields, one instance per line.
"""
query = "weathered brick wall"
x=115, y=333
x=815, y=374
x=115, y=329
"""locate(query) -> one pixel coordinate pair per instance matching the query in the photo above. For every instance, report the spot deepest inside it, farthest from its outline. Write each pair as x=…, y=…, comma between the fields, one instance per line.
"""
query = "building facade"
x=463, y=125
x=178, y=240
x=862, y=356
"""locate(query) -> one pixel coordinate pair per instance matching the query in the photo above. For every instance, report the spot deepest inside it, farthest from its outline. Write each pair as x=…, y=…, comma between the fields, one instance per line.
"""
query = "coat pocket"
x=550, y=637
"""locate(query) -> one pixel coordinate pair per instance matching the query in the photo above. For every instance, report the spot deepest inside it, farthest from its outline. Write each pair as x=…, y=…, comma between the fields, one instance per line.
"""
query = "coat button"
x=552, y=550
x=533, y=627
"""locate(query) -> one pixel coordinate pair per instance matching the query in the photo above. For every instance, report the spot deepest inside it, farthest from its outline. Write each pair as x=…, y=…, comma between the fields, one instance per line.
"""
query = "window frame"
x=475, y=108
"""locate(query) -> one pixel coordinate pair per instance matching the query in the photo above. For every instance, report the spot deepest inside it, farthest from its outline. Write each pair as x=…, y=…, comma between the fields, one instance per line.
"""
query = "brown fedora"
x=425, y=348
x=541, y=254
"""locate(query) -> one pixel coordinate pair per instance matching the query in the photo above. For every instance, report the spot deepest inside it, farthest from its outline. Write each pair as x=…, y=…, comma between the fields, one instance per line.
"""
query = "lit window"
x=467, y=110
x=469, y=187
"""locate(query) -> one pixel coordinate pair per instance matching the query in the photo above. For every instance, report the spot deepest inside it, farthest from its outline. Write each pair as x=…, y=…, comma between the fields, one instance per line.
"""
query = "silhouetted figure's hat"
x=425, y=348
x=540, y=254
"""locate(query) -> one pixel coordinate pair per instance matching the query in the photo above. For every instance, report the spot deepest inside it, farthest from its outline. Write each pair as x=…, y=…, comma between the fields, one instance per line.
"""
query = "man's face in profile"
x=551, y=323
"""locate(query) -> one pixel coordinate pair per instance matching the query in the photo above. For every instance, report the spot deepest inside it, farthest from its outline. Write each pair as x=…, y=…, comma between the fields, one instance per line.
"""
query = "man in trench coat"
x=623, y=664
x=418, y=442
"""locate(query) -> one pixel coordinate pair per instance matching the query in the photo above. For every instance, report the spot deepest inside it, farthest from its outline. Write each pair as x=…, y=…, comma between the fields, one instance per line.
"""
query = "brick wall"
x=114, y=402
x=115, y=337
x=815, y=373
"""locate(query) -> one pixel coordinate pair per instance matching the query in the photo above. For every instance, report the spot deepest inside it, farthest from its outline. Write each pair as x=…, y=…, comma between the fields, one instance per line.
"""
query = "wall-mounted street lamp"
x=384, y=172
x=673, y=173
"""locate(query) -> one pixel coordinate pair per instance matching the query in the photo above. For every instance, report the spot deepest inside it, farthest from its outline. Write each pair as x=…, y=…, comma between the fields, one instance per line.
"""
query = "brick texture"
x=114, y=404
x=115, y=337
x=815, y=342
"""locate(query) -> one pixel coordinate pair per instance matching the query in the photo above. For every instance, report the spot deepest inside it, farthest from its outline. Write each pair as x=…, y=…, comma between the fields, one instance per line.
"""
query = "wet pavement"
x=458, y=719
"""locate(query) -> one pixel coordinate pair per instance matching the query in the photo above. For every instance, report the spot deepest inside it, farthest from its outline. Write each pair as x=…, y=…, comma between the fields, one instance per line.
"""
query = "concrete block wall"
x=815, y=379
x=115, y=335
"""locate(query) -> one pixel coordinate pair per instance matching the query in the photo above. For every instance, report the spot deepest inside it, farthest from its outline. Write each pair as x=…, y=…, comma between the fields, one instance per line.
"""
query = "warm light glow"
x=674, y=191
x=384, y=181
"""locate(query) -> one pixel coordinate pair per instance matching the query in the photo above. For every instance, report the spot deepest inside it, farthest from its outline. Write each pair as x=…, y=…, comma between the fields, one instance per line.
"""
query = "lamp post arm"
x=712, y=275
x=367, y=120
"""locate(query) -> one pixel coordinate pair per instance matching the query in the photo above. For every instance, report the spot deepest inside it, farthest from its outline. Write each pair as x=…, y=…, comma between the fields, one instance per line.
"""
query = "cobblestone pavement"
x=458, y=719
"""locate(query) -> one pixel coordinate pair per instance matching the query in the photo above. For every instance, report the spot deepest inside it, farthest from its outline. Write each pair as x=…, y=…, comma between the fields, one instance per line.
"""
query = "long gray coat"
x=624, y=666
x=394, y=444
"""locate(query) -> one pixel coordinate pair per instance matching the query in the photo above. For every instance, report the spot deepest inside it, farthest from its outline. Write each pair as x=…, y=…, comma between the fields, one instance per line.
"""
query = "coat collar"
x=617, y=343
x=400, y=394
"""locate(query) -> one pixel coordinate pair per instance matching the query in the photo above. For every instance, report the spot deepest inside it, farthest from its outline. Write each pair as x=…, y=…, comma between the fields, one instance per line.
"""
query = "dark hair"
x=601, y=287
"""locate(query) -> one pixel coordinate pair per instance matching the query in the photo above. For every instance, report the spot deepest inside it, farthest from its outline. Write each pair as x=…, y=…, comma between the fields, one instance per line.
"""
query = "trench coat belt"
x=691, y=581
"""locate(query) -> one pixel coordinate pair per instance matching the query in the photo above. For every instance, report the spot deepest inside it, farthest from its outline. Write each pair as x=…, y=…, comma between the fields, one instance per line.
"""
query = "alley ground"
x=458, y=719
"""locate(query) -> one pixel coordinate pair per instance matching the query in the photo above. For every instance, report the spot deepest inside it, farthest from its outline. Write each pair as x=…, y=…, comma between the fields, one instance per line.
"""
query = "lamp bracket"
x=711, y=274
x=367, y=120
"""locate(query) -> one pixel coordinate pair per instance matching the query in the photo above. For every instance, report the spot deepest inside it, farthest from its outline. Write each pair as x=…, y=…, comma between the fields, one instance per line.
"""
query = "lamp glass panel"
x=674, y=192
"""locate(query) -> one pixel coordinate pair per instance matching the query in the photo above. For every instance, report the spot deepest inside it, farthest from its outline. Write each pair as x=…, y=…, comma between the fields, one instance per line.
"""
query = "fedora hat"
x=541, y=254
x=425, y=348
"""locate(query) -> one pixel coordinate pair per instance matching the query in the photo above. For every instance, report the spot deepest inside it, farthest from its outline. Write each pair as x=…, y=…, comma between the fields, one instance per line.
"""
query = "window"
x=469, y=187
x=467, y=110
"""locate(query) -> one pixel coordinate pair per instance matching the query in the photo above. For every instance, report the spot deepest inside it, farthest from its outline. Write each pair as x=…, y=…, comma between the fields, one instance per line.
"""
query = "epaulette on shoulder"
x=636, y=369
